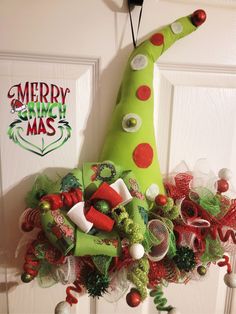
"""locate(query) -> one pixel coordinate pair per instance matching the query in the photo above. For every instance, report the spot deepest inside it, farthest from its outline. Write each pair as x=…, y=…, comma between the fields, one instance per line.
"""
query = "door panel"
x=24, y=158
x=195, y=116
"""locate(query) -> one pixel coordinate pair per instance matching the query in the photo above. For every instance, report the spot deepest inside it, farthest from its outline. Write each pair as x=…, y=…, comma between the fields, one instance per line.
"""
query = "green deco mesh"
x=42, y=185
x=207, y=200
x=213, y=251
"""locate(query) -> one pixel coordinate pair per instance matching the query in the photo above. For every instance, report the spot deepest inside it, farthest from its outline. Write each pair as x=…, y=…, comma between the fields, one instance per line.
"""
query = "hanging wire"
x=130, y=6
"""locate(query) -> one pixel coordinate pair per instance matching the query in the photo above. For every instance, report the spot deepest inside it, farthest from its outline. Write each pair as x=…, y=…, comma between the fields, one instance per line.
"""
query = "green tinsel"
x=170, y=203
x=96, y=284
x=42, y=186
x=126, y=225
x=184, y=258
x=138, y=275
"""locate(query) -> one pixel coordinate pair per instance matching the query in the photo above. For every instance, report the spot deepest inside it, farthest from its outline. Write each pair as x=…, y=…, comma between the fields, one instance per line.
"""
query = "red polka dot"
x=157, y=39
x=143, y=155
x=143, y=92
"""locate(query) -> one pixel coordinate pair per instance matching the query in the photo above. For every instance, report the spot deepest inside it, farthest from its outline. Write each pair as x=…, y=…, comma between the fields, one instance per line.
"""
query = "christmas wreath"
x=116, y=222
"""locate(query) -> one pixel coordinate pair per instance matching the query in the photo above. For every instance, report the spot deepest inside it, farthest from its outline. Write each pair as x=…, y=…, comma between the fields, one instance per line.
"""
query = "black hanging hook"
x=135, y=2
x=131, y=5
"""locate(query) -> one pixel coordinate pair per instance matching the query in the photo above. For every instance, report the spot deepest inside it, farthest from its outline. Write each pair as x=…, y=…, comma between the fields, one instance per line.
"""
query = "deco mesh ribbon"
x=152, y=248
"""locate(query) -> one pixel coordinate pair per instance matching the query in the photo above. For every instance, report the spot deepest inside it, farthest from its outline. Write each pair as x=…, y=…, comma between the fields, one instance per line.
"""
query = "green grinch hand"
x=131, y=140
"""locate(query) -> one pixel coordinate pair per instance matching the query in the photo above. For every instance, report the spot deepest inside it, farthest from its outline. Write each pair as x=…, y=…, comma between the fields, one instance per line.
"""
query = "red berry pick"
x=133, y=298
x=161, y=200
x=222, y=186
x=198, y=17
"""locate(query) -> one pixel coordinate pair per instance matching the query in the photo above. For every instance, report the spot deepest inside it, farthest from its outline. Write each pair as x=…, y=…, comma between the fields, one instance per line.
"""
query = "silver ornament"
x=230, y=280
x=62, y=308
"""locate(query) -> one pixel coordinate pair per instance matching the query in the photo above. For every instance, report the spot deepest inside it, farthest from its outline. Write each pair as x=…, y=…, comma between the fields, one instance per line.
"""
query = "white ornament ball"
x=230, y=280
x=152, y=191
x=174, y=311
x=136, y=251
x=225, y=174
x=62, y=308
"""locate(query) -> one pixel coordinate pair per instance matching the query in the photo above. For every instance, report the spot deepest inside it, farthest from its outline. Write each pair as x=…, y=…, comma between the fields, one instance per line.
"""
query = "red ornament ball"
x=222, y=186
x=161, y=200
x=27, y=227
x=133, y=298
x=198, y=17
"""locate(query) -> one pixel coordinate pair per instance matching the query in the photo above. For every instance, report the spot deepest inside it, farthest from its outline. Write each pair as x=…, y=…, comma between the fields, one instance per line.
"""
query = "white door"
x=83, y=46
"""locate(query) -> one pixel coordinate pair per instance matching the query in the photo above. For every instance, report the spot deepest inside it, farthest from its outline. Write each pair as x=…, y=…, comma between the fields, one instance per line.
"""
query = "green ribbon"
x=88, y=180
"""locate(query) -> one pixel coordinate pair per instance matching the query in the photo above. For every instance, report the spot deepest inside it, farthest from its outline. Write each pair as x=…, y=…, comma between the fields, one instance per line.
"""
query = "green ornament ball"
x=26, y=278
x=102, y=206
x=44, y=206
x=131, y=122
x=202, y=270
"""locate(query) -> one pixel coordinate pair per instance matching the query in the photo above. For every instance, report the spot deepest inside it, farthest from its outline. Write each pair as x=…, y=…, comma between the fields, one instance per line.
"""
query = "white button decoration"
x=225, y=174
x=136, y=251
x=134, y=128
x=139, y=62
x=176, y=27
x=152, y=192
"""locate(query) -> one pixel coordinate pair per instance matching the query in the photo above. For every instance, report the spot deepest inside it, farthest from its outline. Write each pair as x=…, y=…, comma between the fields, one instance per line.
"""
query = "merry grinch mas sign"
x=39, y=113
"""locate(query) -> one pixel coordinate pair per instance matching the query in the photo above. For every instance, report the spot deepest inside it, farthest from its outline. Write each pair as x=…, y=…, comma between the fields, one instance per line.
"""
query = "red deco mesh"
x=164, y=269
x=181, y=187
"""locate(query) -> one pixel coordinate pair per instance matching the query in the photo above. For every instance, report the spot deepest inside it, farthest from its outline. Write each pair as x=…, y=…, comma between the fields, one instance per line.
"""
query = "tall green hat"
x=130, y=141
